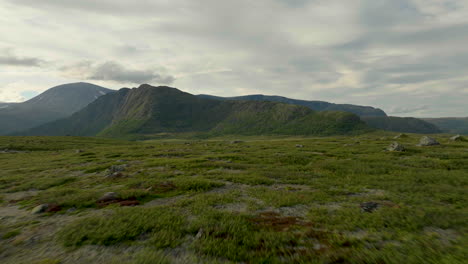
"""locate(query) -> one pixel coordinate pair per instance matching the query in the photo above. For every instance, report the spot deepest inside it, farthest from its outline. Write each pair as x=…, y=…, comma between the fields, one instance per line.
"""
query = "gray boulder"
x=427, y=141
x=395, y=146
x=457, y=138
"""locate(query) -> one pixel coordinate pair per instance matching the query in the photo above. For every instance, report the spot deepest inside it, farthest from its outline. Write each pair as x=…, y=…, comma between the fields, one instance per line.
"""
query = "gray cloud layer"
x=10, y=59
x=392, y=54
x=113, y=71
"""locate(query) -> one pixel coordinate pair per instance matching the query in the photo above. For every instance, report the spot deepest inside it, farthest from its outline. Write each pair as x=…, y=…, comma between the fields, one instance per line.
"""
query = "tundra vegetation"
x=233, y=200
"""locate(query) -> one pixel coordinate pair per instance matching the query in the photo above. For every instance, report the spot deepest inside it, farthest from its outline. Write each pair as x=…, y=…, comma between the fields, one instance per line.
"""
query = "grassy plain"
x=233, y=200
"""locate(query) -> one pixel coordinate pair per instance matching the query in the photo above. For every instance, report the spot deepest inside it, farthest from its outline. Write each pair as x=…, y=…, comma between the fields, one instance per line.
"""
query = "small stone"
x=40, y=209
x=71, y=210
x=428, y=141
x=236, y=142
x=79, y=151
x=199, y=234
x=114, y=170
x=369, y=207
x=110, y=196
x=395, y=146
x=299, y=146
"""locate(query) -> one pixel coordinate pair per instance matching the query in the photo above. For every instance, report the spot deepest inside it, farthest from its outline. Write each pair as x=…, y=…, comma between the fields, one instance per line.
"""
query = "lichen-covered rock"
x=395, y=146
x=428, y=141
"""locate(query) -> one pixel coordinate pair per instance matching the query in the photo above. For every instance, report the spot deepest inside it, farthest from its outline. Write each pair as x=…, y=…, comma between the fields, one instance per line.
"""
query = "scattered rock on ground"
x=428, y=141
x=369, y=207
x=71, y=210
x=395, y=146
x=457, y=138
x=116, y=170
x=236, y=142
x=299, y=146
x=40, y=209
x=79, y=151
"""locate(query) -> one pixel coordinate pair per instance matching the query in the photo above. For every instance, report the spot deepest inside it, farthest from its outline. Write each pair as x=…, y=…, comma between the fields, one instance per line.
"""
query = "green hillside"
x=151, y=110
x=452, y=125
x=314, y=105
x=401, y=124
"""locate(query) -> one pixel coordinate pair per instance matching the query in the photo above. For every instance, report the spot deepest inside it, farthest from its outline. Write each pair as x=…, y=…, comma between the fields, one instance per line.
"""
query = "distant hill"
x=454, y=125
x=374, y=117
x=150, y=110
x=55, y=103
x=401, y=124
x=314, y=105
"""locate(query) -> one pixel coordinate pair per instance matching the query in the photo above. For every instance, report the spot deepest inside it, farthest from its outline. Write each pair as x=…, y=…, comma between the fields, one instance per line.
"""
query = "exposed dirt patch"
x=277, y=222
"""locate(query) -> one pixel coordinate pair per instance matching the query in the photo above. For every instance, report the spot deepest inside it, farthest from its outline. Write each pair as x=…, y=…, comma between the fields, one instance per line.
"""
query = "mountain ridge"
x=55, y=103
x=313, y=104
x=151, y=110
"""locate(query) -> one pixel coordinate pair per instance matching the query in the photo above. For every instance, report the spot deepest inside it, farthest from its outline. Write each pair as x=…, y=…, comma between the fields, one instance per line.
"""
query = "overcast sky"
x=408, y=57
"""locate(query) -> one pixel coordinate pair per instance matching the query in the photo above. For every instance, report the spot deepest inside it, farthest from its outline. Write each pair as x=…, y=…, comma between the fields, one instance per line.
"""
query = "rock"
x=428, y=141
x=457, y=138
x=110, y=196
x=236, y=142
x=401, y=136
x=79, y=151
x=116, y=170
x=199, y=233
x=71, y=210
x=299, y=146
x=395, y=146
x=40, y=209
x=369, y=207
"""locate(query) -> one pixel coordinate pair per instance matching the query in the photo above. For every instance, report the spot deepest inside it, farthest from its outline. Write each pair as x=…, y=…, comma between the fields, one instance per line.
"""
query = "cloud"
x=384, y=53
x=113, y=71
x=8, y=58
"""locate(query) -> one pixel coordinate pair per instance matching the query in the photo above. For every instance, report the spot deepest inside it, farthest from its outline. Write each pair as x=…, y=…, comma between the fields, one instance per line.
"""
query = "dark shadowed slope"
x=374, y=117
x=55, y=103
x=314, y=105
x=401, y=124
x=454, y=125
x=150, y=110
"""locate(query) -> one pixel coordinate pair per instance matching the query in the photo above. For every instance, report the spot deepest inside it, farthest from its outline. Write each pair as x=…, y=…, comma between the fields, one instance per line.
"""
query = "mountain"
x=401, y=124
x=55, y=103
x=453, y=125
x=314, y=105
x=5, y=105
x=151, y=110
x=374, y=117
